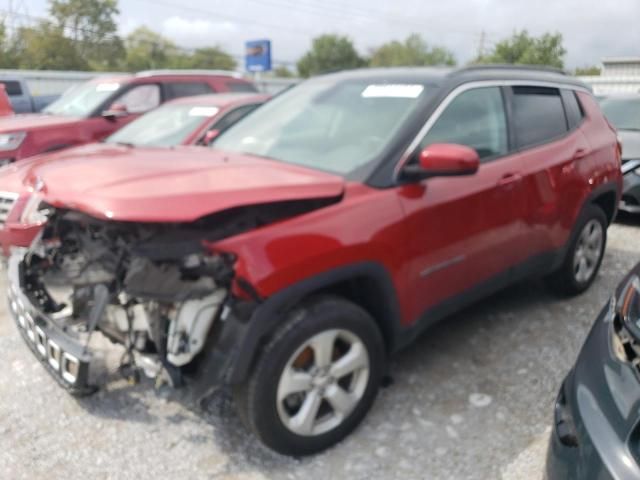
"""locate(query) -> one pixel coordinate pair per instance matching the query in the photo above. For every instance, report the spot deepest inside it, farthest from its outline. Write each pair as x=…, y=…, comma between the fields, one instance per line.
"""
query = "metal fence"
x=50, y=82
x=611, y=85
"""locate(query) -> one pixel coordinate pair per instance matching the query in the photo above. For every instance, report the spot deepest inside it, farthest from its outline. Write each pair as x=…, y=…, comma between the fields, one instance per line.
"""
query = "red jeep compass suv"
x=323, y=232
x=93, y=110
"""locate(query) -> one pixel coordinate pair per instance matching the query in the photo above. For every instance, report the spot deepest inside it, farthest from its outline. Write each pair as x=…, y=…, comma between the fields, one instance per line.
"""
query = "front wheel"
x=316, y=379
x=585, y=254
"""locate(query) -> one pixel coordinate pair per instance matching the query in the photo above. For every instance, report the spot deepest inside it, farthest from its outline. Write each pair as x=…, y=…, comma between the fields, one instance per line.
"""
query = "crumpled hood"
x=168, y=185
x=630, y=144
x=33, y=121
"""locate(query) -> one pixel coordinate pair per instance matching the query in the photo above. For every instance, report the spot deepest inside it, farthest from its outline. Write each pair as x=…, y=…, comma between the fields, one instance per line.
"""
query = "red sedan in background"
x=5, y=104
x=195, y=120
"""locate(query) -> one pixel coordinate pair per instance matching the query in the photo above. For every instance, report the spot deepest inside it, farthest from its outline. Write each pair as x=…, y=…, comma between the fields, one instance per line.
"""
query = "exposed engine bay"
x=155, y=289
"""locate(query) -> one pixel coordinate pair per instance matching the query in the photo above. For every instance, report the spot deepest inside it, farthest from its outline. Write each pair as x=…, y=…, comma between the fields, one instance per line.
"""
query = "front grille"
x=7, y=200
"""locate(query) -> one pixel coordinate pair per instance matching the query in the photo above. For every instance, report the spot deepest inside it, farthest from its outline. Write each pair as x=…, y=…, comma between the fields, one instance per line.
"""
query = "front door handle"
x=509, y=179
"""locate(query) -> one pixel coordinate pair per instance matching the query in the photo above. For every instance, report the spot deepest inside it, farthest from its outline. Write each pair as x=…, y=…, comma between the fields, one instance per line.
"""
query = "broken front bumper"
x=63, y=356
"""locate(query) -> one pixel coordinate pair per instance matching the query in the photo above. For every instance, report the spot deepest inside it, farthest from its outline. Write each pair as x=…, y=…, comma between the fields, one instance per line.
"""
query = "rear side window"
x=573, y=108
x=12, y=88
x=476, y=119
x=232, y=117
x=187, y=89
x=538, y=114
x=241, y=87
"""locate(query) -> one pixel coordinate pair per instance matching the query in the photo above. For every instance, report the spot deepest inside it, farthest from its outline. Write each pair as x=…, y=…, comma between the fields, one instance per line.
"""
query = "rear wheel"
x=585, y=254
x=316, y=379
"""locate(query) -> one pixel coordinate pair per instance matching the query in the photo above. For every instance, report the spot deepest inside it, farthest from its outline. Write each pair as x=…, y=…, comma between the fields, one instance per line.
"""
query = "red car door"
x=465, y=231
x=134, y=102
x=553, y=151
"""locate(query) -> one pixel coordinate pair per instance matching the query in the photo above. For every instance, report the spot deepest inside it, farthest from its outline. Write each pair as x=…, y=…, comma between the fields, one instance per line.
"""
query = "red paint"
x=5, y=104
x=451, y=159
x=477, y=225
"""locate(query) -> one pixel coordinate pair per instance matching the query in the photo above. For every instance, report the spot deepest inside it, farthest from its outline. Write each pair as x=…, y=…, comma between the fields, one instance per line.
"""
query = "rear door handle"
x=580, y=154
x=509, y=179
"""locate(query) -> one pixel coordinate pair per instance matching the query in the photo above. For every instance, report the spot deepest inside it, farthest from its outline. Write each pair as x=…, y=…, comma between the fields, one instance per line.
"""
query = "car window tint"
x=141, y=98
x=241, y=87
x=572, y=107
x=538, y=115
x=475, y=118
x=187, y=89
x=12, y=88
x=232, y=117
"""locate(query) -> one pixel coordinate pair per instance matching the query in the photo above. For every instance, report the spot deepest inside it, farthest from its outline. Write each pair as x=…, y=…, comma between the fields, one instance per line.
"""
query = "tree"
x=45, y=47
x=92, y=26
x=209, y=58
x=588, y=71
x=147, y=49
x=414, y=51
x=524, y=49
x=282, y=72
x=329, y=53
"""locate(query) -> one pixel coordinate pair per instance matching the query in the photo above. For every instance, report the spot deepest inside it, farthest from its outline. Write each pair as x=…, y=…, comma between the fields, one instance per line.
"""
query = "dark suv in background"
x=324, y=231
x=93, y=110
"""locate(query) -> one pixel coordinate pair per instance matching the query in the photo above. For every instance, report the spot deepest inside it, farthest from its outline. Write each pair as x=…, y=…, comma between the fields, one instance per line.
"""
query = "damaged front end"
x=154, y=289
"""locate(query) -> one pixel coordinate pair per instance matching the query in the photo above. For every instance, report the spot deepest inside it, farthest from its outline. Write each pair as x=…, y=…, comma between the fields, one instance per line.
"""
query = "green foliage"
x=329, y=53
x=45, y=47
x=282, y=72
x=210, y=58
x=414, y=51
x=523, y=49
x=588, y=71
x=147, y=49
x=91, y=25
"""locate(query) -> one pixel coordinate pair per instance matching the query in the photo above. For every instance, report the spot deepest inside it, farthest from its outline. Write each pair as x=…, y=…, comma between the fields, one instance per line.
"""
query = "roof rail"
x=528, y=68
x=226, y=73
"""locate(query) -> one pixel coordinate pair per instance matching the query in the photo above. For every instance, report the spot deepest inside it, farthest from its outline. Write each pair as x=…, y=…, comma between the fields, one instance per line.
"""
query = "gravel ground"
x=472, y=399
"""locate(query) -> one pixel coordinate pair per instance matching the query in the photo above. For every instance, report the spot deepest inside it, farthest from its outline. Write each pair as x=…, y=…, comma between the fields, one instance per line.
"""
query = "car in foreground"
x=623, y=112
x=94, y=110
x=193, y=120
x=322, y=233
x=596, y=428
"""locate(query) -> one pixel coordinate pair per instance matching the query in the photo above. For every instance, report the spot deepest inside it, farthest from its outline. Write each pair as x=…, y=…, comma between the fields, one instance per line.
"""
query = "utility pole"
x=481, y=44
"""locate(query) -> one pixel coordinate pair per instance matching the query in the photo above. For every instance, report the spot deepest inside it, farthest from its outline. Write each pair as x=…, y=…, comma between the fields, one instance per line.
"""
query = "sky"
x=592, y=29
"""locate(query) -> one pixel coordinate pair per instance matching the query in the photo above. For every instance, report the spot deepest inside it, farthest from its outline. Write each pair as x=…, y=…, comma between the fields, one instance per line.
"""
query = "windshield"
x=624, y=113
x=333, y=126
x=83, y=99
x=167, y=126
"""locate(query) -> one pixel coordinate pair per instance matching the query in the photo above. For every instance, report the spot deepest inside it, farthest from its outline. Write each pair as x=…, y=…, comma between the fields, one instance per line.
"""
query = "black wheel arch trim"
x=270, y=313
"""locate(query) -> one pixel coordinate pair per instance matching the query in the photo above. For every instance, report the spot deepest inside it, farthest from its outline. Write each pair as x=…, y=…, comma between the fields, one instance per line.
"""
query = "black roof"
x=441, y=75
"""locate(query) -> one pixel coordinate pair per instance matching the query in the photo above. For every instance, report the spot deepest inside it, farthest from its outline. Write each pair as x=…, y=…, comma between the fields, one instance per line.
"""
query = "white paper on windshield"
x=107, y=87
x=203, y=111
x=392, y=91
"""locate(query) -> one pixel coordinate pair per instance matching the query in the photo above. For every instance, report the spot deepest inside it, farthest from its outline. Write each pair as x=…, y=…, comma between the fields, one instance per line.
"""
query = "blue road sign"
x=258, y=55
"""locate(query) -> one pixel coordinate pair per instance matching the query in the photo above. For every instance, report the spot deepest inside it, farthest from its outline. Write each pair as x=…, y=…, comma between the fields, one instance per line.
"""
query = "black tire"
x=256, y=399
x=564, y=281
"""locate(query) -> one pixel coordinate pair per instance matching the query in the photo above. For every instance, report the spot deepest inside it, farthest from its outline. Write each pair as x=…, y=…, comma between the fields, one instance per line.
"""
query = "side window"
x=475, y=118
x=241, y=87
x=141, y=98
x=572, y=106
x=187, y=89
x=232, y=117
x=12, y=88
x=538, y=115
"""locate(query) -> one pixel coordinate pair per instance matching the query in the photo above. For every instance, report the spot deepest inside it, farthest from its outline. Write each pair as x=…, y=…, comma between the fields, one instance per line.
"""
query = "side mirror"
x=116, y=110
x=210, y=136
x=444, y=160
